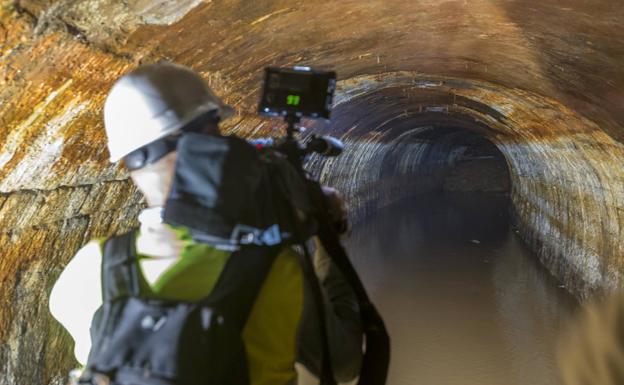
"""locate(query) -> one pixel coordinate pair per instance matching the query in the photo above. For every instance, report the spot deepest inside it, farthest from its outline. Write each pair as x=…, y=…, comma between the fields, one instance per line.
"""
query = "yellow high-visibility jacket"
x=274, y=335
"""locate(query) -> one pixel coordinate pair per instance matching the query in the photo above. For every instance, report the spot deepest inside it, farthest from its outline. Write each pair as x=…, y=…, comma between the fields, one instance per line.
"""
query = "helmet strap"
x=151, y=152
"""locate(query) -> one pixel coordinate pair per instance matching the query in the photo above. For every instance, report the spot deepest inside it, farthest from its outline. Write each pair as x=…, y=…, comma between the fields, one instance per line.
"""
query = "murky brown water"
x=464, y=300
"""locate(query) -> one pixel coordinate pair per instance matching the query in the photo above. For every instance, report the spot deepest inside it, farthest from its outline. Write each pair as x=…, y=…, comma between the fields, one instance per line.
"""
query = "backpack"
x=142, y=341
x=230, y=193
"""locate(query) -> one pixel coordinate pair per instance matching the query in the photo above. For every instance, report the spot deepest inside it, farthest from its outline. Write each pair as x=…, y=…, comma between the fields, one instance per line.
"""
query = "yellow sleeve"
x=271, y=330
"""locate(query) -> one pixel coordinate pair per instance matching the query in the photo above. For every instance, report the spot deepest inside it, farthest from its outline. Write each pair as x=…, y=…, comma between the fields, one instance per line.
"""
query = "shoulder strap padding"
x=241, y=281
x=119, y=268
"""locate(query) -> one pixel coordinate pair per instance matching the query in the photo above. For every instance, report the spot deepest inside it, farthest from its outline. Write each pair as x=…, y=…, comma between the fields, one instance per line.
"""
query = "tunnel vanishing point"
x=543, y=80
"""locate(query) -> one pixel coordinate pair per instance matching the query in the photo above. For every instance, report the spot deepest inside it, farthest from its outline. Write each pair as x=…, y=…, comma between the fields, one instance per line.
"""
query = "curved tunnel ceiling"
x=542, y=80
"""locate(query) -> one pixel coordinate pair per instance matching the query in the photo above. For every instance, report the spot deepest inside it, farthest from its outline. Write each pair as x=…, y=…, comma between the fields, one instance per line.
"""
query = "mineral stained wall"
x=543, y=80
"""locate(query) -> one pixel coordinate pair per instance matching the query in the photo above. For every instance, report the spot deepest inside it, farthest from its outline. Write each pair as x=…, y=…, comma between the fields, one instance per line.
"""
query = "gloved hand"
x=338, y=209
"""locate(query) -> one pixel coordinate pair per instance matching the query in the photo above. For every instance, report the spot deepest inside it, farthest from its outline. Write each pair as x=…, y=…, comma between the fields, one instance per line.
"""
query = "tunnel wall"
x=374, y=172
x=567, y=193
x=540, y=79
x=377, y=170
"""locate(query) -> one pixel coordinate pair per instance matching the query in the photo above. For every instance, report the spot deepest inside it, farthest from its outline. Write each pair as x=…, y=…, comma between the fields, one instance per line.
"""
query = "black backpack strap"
x=120, y=277
x=376, y=358
x=327, y=371
x=241, y=280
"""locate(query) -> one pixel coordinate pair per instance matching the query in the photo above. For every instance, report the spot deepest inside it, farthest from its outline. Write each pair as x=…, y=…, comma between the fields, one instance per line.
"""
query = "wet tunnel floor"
x=464, y=299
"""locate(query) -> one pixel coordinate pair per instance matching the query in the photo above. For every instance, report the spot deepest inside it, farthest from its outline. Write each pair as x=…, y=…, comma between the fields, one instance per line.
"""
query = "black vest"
x=141, y=341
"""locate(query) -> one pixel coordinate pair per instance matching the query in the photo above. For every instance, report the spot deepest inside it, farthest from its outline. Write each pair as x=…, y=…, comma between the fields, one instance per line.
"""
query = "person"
x=145, y=108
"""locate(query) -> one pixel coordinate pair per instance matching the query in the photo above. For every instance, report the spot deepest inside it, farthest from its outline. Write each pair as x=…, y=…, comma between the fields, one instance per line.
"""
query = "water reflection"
x=464, y=299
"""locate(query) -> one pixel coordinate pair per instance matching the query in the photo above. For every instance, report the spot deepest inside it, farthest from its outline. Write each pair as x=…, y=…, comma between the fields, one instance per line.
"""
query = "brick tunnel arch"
x=558, y=161
x=541, y=80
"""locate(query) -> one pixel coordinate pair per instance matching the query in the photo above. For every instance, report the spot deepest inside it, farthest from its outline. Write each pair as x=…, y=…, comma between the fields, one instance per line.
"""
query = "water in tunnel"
x=465, y=299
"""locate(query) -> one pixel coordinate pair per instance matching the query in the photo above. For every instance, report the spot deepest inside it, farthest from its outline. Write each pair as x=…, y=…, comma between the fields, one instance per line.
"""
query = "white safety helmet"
x=154, y=101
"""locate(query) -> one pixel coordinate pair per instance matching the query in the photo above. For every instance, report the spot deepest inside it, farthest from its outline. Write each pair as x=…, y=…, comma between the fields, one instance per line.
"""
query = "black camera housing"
x=298, y=92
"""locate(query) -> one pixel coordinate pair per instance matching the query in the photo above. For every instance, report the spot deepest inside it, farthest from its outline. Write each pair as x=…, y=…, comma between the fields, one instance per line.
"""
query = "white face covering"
x=156, y=239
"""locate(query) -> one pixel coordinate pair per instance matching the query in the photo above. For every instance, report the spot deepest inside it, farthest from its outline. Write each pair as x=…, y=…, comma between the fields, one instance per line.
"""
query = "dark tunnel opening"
x=471, y=179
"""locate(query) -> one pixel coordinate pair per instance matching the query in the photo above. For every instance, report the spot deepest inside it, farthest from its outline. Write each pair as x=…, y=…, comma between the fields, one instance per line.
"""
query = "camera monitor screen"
x=297, y=91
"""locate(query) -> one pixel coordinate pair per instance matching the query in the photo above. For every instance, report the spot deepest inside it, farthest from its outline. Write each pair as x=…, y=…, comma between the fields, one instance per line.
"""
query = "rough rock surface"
x=542, y=80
